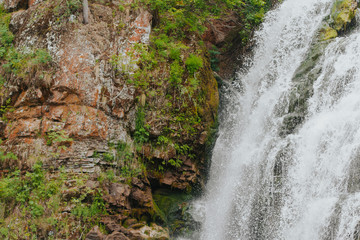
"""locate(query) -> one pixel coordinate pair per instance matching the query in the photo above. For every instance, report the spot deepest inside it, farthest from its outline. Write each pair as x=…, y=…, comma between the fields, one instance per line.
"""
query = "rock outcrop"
x=78, y=112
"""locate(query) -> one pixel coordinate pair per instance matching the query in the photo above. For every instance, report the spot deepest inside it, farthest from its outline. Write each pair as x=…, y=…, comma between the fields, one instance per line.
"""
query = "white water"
x=305, y=185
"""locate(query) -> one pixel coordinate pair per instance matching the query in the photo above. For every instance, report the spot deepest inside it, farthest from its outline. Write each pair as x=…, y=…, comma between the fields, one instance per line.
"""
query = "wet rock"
x=343, y=13
x=327, y=33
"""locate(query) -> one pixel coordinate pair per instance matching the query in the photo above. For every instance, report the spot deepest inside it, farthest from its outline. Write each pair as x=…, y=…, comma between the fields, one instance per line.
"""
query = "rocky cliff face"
x=113, y=111
x=79, y=112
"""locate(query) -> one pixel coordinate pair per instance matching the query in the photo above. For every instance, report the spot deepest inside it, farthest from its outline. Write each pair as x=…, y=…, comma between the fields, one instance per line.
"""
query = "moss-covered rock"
x=173, y=207
x=343, y=13
x=327, y=33
x=341, y=19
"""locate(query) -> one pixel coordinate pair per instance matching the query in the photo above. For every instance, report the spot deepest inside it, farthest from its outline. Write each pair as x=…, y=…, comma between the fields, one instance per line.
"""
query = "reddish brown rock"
x=23, y=128
x=141, y=198
x=219, y=29
x=80, y=94
x=95, y=234
x=116, y=236
x=118, y=195
x=32, y=96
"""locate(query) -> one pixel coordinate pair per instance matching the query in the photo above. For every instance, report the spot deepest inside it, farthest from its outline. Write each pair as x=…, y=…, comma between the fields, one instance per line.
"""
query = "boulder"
x=95, y=234
x=118, y=195
x=343, y=14
x=116, y=236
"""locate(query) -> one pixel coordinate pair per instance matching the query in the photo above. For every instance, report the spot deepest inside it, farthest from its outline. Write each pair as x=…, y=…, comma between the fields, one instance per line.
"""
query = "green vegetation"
x=26, y=65
x=6, y=155
x=124, y=162
x=59, y=137
x=141, y=130
x=172, y=207
x=193, y=63
x=31, y=204
x=175, y=63
x=342, y=14
x=64, y=8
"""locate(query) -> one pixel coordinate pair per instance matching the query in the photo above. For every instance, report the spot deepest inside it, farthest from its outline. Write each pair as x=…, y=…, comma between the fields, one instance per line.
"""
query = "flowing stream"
x=286, y=164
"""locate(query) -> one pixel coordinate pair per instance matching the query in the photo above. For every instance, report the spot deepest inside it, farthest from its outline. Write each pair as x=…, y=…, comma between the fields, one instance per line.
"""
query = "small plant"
x=5, y=108
x=162, y=140
x=193, y=63
x=175, y=162
x=60, y=137
x=108, y=157
x=73, y=5
x=83, y=210
x=176, y=72
x=141, y=131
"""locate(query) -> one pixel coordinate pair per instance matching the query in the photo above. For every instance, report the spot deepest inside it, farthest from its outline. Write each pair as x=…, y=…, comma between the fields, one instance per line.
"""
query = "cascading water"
x=286, y=164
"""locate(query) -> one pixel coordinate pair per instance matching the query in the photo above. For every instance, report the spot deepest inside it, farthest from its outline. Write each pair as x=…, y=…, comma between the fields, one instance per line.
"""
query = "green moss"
x=327, y=33
x=173, y=208
x=342, y=13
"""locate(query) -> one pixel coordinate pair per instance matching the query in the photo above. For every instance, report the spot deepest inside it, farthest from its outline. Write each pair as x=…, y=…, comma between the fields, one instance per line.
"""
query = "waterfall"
x=286, y=164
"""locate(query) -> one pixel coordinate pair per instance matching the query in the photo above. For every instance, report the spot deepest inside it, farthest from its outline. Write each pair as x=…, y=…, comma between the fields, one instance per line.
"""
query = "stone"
x=79, y=94
x=95, y=234
x=118, y=195
x=13, y=4
x=130, y=221
x=32, y=96
x=343, y=13
x=2, y=128
x=92, y=184
x=116, y=236
x=23, y=128
x=141, y=198
x=71, y=193
x=327, y=33
x=203, y=137
x=219, y=29
x=151, y=232
x=138, y=183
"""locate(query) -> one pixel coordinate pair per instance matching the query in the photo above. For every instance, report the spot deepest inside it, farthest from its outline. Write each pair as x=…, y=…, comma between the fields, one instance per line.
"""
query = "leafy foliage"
x=39, y=201
x=193, y=63
x=60, y=137
x=141, y=131
x=28, y=64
